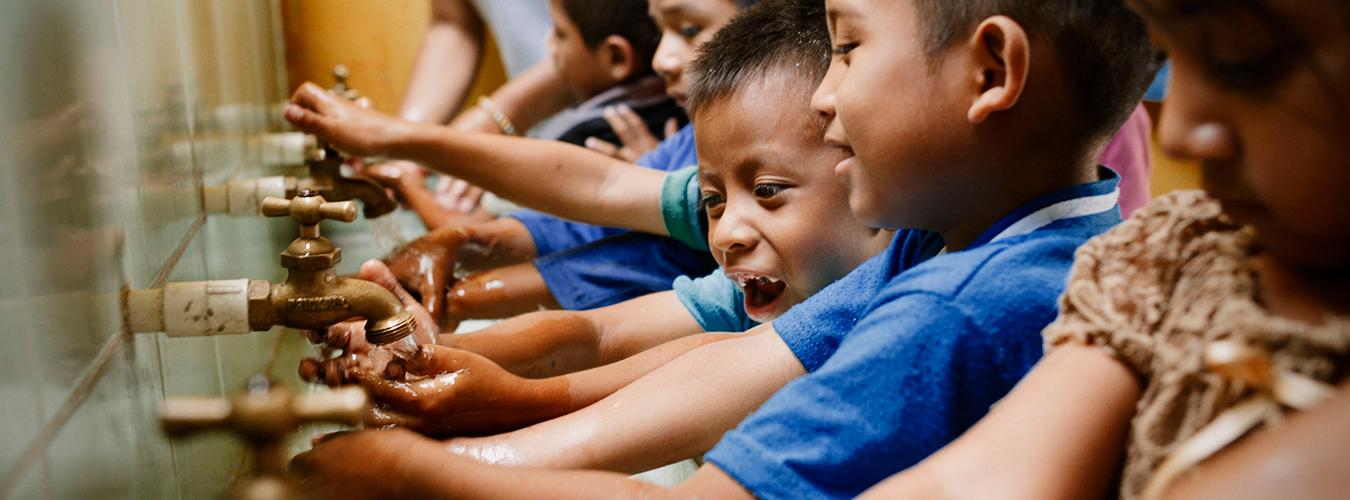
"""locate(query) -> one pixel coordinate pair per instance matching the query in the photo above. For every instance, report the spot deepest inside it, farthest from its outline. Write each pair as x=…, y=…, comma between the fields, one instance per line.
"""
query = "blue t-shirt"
x=715, y=302
x=936, y=346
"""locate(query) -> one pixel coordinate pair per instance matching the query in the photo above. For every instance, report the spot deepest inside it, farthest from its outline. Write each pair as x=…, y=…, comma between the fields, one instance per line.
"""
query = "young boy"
x=998, y=109
x=500, y=164
x=779, y=220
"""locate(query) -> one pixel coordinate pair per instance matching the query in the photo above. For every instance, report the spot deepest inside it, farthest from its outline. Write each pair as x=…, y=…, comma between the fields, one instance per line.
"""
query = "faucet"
x=263, y=415
x=313, y=297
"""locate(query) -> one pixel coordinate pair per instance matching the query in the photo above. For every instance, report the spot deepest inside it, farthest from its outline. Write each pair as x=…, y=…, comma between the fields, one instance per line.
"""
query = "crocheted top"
x=1154, y=292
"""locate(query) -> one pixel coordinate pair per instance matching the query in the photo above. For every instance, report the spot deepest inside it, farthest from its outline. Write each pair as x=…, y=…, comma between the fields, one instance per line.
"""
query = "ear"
x=1001, y=53
x=618, y=57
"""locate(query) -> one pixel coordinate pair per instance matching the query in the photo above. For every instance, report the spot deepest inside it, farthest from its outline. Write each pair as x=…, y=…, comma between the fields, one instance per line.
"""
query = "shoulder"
x=1123, y=282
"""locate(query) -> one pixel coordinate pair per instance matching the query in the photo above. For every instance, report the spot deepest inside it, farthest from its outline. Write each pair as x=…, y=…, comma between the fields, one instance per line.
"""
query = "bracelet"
x=497, y=116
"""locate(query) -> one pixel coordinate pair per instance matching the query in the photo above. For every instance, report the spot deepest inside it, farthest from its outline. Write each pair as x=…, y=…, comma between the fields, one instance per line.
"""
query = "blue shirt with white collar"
x=937, y=342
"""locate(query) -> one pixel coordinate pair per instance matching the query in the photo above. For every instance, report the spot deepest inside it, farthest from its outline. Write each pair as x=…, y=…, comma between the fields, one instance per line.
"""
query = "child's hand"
x=365, y=464
x=343, y=124
x=427, y=266
x=443, y=391
x=637, y=140
x=398, y=175
x=458, y=195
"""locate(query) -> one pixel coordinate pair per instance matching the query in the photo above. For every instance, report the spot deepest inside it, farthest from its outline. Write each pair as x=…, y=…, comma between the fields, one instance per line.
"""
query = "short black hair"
x=1103, y=47
x=601, y=19
x=773, y=35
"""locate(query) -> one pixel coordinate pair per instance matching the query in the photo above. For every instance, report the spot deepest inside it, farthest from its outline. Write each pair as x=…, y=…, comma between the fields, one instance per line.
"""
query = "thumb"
x=601, y=146
x=377, y=271
x=672, y=128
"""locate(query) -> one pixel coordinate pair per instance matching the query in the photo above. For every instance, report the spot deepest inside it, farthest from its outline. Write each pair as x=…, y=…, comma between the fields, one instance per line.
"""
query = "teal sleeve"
x=679, y=207
x=716, y=302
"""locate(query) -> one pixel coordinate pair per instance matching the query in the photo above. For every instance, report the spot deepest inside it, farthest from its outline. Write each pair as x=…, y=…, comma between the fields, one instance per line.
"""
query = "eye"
x=690, y=31
x=768, y=190
x=844, y=49
x=1249, y=75
x=712, y=204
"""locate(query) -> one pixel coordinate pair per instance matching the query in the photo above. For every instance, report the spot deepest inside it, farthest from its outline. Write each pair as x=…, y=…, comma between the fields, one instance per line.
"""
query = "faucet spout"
x=325, y=178
x=317, y=300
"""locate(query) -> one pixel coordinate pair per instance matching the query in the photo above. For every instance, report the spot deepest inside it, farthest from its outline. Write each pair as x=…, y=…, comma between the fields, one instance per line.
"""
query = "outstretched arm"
x=552, y=342
x=564, y=180
x=678, y=411
x=400, y=464
x=1059, y=434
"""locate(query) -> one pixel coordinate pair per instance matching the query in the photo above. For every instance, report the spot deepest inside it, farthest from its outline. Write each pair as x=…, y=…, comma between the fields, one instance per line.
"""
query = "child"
x=583, y=186
x=778, y=217
x=977, y=143
x=1209, y=312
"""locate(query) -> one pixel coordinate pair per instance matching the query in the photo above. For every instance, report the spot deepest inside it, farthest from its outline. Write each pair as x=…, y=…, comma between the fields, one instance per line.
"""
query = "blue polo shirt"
x=938, y=342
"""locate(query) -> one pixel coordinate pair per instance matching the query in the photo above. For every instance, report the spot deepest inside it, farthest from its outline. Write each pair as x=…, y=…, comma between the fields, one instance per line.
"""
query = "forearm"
x=446, y=63
x=526, y=100
x=561, y=179
x=675, y=412
x=535, y=345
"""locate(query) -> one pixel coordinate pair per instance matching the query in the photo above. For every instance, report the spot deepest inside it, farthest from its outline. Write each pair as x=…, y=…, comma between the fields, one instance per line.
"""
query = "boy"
x=628, y=199
x=981, y=145
x=778, y=217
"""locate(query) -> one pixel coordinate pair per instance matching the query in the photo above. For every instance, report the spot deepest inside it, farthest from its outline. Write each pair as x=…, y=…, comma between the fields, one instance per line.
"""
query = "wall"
x=113, y=114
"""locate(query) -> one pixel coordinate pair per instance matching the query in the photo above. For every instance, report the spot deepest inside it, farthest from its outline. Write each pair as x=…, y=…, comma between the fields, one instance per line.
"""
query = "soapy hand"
x=349, y=338
x=427, y=266
x=633, y=134
x=343, y=124
x=442, y=391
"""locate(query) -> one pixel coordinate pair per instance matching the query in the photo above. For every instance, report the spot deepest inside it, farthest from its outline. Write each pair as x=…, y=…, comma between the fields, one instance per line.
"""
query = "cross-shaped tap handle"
x=309, y=208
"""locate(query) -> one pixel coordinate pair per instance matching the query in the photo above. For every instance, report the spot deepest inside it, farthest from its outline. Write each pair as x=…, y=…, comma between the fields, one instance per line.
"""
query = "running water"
x=388, y=235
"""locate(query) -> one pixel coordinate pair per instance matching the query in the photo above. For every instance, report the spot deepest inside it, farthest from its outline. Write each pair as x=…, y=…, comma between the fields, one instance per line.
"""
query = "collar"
x=1083, y=200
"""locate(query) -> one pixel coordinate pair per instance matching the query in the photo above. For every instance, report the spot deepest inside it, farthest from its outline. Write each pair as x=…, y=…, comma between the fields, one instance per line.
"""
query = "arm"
x=1303, y=458
x=675, y=412
x=400, y=464
x=1059, y=434
x=551, y=342
x=564, y=180
x=526, y=100
x=446, y=63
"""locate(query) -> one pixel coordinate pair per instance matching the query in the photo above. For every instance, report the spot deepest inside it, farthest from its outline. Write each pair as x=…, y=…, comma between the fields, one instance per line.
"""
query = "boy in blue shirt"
x=977, y=120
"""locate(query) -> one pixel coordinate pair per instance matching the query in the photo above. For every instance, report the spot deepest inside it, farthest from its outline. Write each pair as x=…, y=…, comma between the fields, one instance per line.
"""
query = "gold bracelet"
x=497, y=116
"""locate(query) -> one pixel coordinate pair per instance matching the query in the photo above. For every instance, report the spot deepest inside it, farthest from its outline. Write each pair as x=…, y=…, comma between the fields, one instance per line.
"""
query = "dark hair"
x=774, y=35
x=1102, y=45
x=600, y=19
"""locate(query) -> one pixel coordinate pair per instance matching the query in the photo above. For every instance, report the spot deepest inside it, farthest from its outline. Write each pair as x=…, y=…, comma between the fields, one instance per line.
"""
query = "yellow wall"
x=378, y=40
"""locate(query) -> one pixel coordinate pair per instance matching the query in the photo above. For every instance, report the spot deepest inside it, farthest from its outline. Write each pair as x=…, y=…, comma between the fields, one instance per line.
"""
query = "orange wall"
x=378, y=40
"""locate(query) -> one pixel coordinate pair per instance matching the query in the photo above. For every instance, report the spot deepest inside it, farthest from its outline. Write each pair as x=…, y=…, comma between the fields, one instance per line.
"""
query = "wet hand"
x=343, y=124
x=635, y=138
x=441, y=391
x=367, y=464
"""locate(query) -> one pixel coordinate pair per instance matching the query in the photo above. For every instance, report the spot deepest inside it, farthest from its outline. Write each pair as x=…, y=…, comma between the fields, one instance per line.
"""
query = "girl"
x=1208, y=314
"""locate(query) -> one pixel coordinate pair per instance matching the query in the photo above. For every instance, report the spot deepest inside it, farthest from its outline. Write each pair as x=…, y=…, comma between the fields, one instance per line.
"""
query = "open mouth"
x=761, y=293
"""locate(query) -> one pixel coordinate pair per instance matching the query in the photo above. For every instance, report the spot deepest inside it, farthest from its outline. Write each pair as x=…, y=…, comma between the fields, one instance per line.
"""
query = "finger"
x=310, y=369
x=323, y=437
x=672, y=128
x=395, y=394
x=634, y=121
x=431, y=360
x=305, y=120
x=376, y=271
x=601, y=146
x=616, y=122
x=384, y=418
x=311, y=96
x=472, y=196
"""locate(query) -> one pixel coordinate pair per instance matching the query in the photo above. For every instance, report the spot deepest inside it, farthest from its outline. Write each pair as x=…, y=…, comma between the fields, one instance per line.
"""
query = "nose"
x=1192, y=126
x=733, y=231
x=823, y=100
x=667, y=61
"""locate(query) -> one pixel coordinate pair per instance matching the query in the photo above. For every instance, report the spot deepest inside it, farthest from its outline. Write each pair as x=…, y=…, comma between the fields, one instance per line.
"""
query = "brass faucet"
x=313, y=295
x=263, y=415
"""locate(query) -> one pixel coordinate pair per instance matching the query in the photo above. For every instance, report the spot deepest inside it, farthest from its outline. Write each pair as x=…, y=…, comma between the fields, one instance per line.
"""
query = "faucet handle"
x=340, y=86
x=263, y=411
x=309, y=208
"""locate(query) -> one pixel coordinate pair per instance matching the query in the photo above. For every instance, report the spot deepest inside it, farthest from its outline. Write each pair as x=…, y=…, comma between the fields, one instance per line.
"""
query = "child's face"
x=685, y=26
x=886, y=105
x=583, y=70
x=1267, y=117
x=779, y=221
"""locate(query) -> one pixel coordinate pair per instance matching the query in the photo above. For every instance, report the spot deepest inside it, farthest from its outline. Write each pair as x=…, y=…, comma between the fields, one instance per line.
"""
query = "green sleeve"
x=679, y=207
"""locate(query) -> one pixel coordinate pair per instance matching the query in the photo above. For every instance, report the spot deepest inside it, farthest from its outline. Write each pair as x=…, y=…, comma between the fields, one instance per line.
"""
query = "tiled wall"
x=113, y=113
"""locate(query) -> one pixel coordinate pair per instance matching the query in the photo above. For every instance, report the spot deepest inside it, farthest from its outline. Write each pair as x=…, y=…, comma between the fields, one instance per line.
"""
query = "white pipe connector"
x=191, y=309
x=242, y=197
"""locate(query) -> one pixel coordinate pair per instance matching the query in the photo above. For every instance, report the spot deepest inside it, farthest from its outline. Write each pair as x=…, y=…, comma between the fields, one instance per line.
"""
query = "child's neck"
x=1020, y=183
x=1301, y=295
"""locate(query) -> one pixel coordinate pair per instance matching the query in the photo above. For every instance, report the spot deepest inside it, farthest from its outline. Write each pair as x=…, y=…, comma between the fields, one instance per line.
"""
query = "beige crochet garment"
x=1156, y=291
